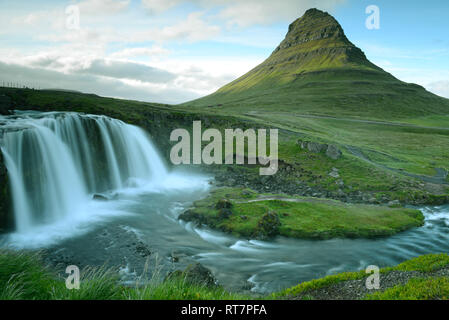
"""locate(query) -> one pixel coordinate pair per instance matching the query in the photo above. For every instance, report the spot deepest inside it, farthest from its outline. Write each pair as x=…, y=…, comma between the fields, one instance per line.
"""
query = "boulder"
x=224, y=213
x=195, y=274
x=268, y=225
x=333, y=152
x=143, y=250
x=334, y=173
x=223, y=204
x=394, y=204
x=316, y=147
x=99, y=197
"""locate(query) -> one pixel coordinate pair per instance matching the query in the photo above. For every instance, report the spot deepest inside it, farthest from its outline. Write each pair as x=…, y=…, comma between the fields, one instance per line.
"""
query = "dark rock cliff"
x=6, y=217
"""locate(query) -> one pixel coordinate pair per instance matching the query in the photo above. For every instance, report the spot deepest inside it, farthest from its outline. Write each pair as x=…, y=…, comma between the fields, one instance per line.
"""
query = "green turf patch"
x=416, y=289
x=247, y=214
x=425, y=263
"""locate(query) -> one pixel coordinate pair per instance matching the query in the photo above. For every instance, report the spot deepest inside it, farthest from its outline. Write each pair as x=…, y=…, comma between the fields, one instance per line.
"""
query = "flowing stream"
x=63, y=166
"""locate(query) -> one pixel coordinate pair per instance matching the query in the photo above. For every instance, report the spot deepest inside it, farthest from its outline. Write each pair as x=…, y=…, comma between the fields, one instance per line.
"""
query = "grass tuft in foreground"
x=416, y=289
x=23, y=276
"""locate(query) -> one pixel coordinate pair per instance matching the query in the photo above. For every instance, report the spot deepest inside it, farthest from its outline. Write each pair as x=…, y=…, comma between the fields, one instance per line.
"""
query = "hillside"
x=317, y=70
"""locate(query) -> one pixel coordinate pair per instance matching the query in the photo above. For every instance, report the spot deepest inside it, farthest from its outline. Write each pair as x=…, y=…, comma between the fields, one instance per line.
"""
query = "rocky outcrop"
x=268, y=225
x=331, y=150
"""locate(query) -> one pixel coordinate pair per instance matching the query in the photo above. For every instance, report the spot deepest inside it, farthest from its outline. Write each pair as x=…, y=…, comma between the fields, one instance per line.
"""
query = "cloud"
x=159, y=6
x=139, y=52
x=261, y=12
x=194, y=28
x=90, y=83
x=440, y=88
x=245, y=13
x=127, y=70
x=102, y=7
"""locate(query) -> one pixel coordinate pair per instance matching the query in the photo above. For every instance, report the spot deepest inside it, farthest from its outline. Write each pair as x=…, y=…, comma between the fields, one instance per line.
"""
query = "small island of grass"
x=245, y=213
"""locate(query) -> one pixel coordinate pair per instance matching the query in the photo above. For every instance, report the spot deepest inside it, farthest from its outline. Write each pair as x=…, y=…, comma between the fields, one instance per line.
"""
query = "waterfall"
x=56, y=161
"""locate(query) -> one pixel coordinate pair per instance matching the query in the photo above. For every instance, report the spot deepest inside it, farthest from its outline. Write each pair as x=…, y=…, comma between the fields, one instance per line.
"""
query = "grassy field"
x=244, y=213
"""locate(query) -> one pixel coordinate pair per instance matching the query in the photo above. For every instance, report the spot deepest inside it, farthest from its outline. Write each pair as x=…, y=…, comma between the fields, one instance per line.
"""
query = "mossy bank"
x=24, y=276
x=425, y=278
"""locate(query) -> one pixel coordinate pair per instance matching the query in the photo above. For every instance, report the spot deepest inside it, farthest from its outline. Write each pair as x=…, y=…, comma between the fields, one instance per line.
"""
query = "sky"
x=172, y=51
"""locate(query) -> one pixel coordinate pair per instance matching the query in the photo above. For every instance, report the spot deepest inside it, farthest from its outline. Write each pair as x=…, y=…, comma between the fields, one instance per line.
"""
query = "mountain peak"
x=313, y=25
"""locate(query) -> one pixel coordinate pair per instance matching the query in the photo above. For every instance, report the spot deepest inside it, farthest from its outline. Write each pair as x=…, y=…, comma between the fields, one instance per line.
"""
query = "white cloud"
x=88, y=83
x=440, y=88
x=127, y=70
x=194, y=28
x=139, y=52
x=250, y=12
x=159, y=6
x=102, y=7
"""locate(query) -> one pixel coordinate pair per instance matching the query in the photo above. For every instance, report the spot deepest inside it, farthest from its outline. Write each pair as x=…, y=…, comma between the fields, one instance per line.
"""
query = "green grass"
x=23, y=276
x=416, y=150
x=424, y=263
x=416, y=289
x=307, y=218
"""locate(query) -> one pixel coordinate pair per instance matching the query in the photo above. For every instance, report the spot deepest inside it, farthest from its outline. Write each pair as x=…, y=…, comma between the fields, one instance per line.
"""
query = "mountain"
x=316, y=69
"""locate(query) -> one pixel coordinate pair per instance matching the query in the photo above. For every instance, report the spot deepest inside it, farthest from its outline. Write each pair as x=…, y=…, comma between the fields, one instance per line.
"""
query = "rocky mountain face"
x=317, y=33
x=6, y=218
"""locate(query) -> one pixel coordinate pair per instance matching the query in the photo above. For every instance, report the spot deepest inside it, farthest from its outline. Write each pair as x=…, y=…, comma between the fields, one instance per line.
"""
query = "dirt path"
x=269, y=198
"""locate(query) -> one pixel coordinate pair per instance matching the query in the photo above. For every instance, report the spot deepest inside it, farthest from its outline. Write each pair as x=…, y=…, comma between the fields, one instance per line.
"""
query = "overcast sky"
x=172, y=51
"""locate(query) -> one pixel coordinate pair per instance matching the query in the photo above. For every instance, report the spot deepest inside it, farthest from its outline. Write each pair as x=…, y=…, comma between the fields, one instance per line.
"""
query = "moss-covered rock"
x=268, y=225
x=195, y=274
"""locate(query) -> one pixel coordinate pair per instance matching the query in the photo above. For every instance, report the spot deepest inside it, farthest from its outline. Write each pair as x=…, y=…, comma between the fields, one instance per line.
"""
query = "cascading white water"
x=56, y=161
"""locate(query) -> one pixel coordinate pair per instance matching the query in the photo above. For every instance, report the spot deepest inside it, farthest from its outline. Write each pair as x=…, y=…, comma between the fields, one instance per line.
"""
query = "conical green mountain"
x=316, y=69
